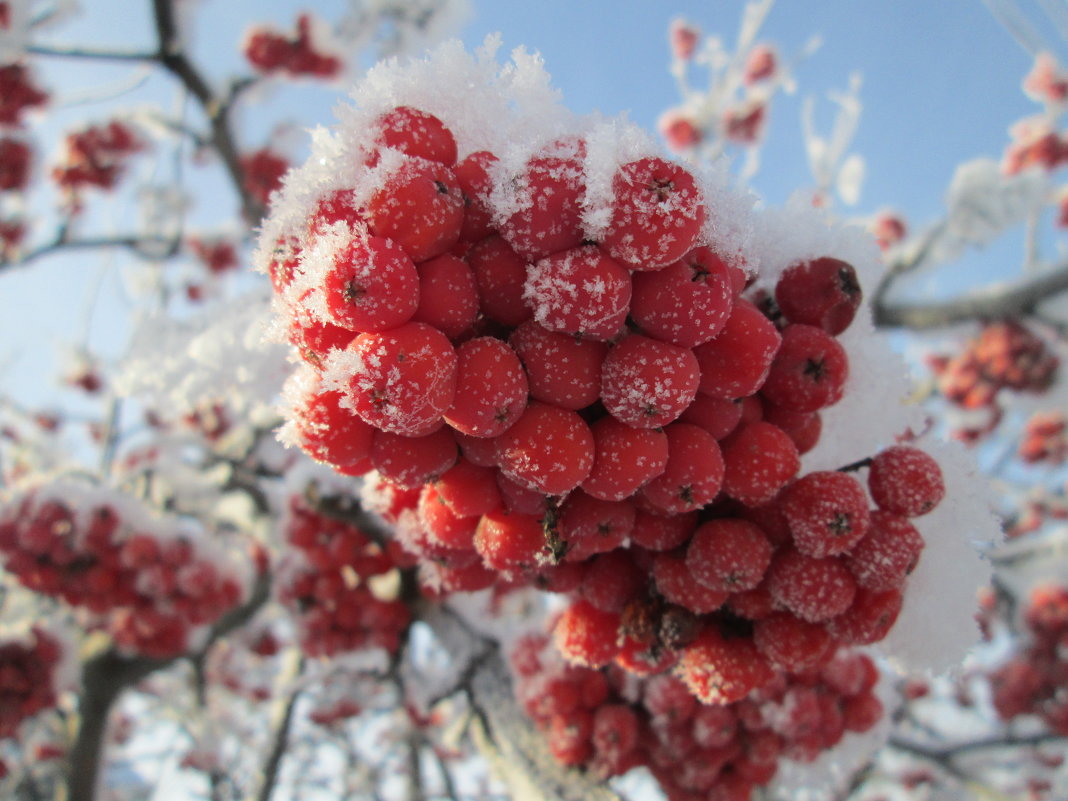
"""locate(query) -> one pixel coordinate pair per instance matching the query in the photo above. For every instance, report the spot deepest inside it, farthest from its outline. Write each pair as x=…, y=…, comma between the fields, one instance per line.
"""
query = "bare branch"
x=1014, y=300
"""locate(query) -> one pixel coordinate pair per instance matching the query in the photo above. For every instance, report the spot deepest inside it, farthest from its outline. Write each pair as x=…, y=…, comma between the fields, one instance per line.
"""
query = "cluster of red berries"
x=1005, y=355
x=607, y=418
x=217, y=255
x=273, y=52
x=1034, y=680
x=1045, y=438
x=97, y=156
x=18, y=93
x=148, y=586
x=16, y=157
x=27, y=677
x=262, y=171
x=608, y=721
x=330, y=590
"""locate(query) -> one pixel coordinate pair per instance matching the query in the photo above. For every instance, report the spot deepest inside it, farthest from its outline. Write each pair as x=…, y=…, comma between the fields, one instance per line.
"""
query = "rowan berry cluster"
x=1005, y=355
x=1032, y=682
x=97, y=156
x=272, y=52
x=27, y=677
x=1045, y=438
x=609, y=722
x=150, y=586
x=329, y=589
x=585, y=399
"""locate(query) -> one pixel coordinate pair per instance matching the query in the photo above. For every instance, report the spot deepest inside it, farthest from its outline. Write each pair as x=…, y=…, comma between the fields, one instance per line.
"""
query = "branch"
x=1012, y=300
x=281, y=743
x=148, y=248
x=103, y=54
x=107, y=675
x=173, y=58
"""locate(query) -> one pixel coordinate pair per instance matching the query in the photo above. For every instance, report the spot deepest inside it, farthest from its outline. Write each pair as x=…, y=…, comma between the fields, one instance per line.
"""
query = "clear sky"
x=940, y=85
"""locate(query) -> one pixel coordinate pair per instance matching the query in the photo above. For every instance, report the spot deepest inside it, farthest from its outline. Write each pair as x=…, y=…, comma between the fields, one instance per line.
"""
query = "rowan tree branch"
x=992, y=302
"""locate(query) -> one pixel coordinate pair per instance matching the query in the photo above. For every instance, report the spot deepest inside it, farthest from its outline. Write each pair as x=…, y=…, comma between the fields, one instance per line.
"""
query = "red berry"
x=402, y=380
x=501, y=274
x=448, y=295
x=579, y=291
x=586, y=635
x=625, y=459
x=547, y=448
x=823, y=292
x=869, y=618
x=693, y=474
x=887, y=554
x=906, y=481
x=827, y=512
x=647, y=383
x=561, y=369
x=686, y=303
x=371, y=285
x=728, y=555
x=545, y=203
x=413, y=461
x=759, y=460
x=736, y=361
x=813, y=589
x=420, y=207
x=491, y=388
x=657, y=213
x=791, y=643
x=510, y=541
x=809, y=371
x=721, y=671
x=472, y=173
x=677, y=584
x=416, y=133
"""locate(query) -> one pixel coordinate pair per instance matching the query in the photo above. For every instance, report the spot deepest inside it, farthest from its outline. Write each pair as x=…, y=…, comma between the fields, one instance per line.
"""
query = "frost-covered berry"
x=561, y=369
x=625, y=459
x=693, y=474
x=510, y=541
x=735, y=363
x=586, y=635
x=729, y=555
x=827, y=512
x=420, y=207
x=544, y=203
x=809, y=371
x=759, y=460
x=869, y=617
x=677, y=584
x=548, y=448
x=416, y=133
x=657, y=213
x=472, y=173
x=579, y=291
x=814, y=589
x=823, y=292
x=687, y=302
x=791, y=643
x=491, y=388
x=371, y=285
x=448, y=295
x=906, y=481
x=501, y=274
x=647, y=383
x=888, y=552
x=401, y=380
x=719, y=670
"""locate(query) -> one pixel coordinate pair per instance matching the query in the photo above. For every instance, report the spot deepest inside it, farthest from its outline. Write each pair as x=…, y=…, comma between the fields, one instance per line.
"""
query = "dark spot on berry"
x=815, y=370
x=442, y=188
